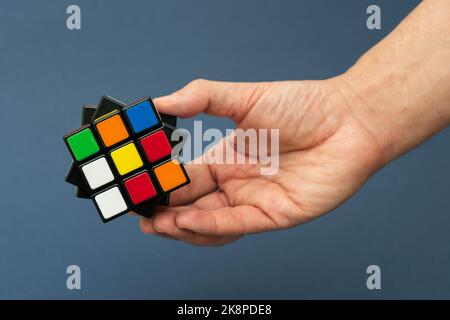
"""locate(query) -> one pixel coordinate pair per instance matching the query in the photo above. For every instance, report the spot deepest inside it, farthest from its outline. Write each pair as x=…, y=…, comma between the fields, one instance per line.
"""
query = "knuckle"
x=198, y=83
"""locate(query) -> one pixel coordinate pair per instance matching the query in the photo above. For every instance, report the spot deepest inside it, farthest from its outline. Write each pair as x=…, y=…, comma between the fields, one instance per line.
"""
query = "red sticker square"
x=156, y=146
x=140, y=188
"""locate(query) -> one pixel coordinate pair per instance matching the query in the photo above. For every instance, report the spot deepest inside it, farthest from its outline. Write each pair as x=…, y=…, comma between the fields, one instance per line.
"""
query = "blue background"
x=129, y=49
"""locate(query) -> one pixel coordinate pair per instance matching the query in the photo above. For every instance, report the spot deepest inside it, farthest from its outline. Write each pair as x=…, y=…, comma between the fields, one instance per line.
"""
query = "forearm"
x=400, y=89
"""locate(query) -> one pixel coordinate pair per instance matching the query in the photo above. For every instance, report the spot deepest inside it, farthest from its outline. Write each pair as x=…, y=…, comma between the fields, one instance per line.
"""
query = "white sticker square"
x=110, y=202
x=97, y=173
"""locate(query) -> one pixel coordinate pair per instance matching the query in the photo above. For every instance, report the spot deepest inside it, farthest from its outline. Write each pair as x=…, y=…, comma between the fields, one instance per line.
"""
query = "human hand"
x=334, y=134
x=326, y=154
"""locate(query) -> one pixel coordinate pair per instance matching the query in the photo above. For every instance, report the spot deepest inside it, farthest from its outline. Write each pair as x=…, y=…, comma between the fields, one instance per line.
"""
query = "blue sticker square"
x=142, y=116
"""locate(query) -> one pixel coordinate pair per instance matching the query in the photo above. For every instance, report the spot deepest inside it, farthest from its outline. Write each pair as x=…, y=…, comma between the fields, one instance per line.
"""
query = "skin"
x=334, y=134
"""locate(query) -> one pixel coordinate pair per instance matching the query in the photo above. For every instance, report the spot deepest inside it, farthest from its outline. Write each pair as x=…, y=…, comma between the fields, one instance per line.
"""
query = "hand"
x=334, y=134
x=325, y=156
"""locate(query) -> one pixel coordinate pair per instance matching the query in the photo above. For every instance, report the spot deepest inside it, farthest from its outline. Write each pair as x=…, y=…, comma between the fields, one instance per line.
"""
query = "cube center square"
x=142, y=116
x=83, y=144
x=112, y=130
x=126, y=158
x=171, y=175
x=140, y=187
x=156, y=146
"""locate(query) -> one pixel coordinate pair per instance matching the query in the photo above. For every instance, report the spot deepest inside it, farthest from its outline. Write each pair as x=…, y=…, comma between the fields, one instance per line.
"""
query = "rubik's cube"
x=123, y=158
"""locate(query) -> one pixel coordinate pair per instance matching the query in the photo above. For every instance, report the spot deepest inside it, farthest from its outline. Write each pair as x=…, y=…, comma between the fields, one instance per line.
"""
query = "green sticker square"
x=83, y=144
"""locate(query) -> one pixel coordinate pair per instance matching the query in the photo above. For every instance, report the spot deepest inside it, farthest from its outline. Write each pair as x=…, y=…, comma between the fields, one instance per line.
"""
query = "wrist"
x=363, y=100
x=399, y=105
x=400, y=89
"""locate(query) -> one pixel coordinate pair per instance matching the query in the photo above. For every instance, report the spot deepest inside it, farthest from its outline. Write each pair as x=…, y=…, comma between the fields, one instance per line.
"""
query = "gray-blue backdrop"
x=400, y=220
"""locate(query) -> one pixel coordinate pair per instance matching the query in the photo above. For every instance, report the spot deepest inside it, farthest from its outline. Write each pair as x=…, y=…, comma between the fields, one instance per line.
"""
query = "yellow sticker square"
x=126, y=158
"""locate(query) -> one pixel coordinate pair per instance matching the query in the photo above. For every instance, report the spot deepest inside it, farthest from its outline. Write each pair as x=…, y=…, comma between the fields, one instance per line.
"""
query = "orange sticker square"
x=170, y=175
x=112, y=130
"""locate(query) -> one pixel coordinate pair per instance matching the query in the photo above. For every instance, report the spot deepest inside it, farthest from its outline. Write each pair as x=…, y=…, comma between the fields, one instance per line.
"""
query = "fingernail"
x=157, y=229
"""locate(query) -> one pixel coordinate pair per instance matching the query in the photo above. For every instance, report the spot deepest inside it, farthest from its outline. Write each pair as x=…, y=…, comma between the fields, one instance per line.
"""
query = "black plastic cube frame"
x=109, y=107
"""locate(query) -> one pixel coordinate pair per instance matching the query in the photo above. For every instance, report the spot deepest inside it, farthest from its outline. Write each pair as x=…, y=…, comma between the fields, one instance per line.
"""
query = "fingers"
x=212, y=201
x=217, y=225
x=202, y=183
x=201, y=174
x=146, y=225
x=163, y=224
x=225, y=99
x=226, y=221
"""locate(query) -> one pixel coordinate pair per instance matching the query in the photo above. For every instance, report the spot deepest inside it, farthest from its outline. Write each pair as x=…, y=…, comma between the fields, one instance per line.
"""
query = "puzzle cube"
x=123, y=158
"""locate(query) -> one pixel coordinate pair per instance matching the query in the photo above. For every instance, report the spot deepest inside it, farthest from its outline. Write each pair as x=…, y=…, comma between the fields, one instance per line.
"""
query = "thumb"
x=223, y=99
